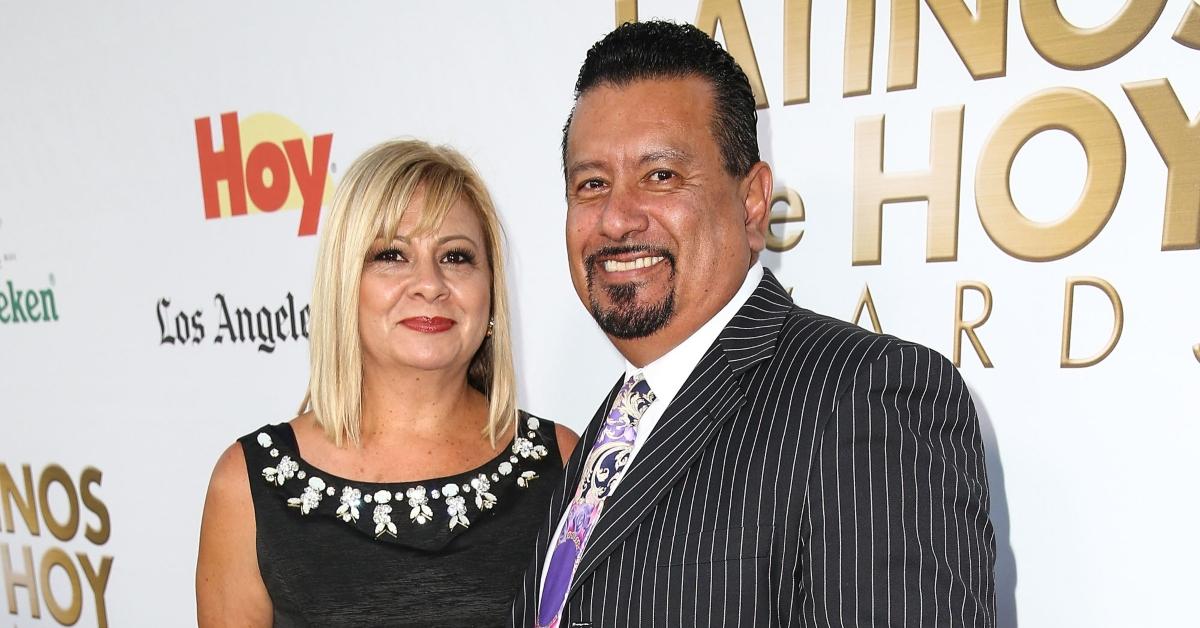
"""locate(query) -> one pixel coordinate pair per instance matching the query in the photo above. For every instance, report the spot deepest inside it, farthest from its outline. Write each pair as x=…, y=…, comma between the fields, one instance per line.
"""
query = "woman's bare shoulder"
x=229, y=588
x=229, y=478
x=567, y=440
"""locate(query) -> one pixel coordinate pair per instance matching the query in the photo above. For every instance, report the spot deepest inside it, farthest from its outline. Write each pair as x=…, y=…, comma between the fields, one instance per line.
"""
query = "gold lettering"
x=68, y=615
x=63, y=531
x=794, y=213
x=12, y=580
x=11, y=495
x=1065, y=359
x=866, y=302
x=728, y=13
x=961, y=327
x=1091, y=123
x=979, y=38
x=99, y=536
x=98, y=583
x=939, y=186
x=905, y=40
x=860, y=47
x=1178, y=142
x=1188, y=32
x=627, y=11
x=797, y=42
x=1074, y=48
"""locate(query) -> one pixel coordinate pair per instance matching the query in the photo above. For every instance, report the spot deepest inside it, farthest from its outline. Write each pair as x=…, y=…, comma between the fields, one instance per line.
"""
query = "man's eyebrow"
x=654, y=156
x=574, y=168
x=665, y=154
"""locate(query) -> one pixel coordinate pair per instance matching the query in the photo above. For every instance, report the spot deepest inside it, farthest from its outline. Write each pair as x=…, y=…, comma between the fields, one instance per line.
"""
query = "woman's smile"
x=428, y=324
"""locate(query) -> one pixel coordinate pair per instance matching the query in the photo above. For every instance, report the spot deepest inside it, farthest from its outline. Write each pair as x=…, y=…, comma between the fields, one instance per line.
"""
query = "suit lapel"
x=681, y=434
x=711, y=394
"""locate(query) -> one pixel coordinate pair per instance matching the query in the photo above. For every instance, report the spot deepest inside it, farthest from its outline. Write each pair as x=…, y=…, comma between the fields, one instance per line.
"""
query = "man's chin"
x=629, y=321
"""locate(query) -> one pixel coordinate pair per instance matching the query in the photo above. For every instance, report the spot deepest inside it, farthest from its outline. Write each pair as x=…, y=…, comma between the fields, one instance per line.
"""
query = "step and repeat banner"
x=1015, y=183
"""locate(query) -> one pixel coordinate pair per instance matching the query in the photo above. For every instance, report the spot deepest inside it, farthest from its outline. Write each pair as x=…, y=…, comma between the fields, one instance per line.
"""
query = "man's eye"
x=661, y=175
x=389, y=255
x=591, y=184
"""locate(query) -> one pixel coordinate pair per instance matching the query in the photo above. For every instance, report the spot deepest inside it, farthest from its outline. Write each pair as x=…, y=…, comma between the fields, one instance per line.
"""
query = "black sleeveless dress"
x=444, y=552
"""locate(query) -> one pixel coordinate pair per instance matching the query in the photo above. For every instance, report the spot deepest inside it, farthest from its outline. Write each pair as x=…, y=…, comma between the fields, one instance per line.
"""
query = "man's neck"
x=642, y=351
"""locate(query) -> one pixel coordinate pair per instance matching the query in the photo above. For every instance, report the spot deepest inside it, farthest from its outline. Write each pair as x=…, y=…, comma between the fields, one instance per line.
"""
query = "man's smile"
x=625, y=263
x=615, y=266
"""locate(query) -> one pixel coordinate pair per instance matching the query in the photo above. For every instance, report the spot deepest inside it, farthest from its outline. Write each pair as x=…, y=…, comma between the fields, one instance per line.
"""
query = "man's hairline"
x=621, y=83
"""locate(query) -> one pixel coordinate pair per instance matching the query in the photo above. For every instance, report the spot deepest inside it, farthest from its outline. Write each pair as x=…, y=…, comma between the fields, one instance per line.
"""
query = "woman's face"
x=424, y=302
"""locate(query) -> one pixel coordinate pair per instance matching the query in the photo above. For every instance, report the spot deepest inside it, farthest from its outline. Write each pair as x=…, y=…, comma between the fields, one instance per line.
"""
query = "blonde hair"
x=368, y=204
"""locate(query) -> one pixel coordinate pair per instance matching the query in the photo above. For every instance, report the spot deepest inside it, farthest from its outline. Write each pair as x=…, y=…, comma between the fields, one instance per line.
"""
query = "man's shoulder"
x=825, y=343
x=817, y=358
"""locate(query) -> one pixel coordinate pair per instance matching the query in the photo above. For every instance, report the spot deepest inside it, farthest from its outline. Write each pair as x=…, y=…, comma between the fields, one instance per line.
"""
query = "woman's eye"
x=389, y=255
x=458, y=257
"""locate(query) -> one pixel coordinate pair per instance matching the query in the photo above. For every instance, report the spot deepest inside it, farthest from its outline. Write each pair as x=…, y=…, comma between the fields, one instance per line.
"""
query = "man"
x=757, y=464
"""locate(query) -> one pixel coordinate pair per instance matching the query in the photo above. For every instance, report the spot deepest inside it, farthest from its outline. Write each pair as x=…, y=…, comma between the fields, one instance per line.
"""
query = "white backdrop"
x=103, y=221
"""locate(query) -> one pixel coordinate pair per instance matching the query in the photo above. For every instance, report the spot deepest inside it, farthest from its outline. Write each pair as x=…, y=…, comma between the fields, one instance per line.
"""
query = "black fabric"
x=323, y=571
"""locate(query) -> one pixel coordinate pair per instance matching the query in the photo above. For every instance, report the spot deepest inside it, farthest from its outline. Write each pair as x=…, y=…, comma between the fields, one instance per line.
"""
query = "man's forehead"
x=638, y=120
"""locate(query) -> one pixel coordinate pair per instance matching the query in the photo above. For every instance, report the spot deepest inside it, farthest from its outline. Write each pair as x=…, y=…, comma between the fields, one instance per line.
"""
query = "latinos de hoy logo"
x=265, y=163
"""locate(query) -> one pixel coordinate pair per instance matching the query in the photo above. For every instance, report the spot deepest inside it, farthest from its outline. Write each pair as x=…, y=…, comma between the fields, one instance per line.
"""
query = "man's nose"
x=624, y=213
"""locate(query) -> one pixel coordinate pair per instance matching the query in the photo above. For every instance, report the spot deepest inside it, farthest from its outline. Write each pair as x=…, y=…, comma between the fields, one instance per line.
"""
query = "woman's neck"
x=400, y=405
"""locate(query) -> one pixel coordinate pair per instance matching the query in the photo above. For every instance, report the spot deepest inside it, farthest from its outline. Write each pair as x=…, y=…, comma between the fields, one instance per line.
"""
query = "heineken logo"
x=21, y=304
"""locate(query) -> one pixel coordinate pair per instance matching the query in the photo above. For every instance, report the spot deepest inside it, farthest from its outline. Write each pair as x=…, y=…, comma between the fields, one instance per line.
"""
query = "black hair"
x=659, y=49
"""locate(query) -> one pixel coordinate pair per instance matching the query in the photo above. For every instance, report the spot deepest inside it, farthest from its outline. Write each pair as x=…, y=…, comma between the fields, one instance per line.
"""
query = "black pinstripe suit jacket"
x=808, y=473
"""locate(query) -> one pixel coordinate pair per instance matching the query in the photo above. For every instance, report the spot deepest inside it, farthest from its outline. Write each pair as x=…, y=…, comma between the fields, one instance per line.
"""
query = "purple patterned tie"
x=602, y=472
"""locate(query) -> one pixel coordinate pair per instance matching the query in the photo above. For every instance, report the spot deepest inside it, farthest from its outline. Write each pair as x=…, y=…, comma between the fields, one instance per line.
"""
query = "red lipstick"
x=428, y=324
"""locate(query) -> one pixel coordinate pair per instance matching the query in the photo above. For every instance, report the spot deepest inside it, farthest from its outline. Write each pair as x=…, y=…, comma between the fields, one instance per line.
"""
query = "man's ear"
x=757, y=190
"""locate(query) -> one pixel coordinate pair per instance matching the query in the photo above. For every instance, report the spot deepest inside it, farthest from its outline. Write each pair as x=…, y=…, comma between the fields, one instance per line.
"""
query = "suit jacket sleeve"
x=896, y=523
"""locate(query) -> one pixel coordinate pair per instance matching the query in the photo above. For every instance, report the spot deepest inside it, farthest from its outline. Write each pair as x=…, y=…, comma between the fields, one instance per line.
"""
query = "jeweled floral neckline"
x=453, y=501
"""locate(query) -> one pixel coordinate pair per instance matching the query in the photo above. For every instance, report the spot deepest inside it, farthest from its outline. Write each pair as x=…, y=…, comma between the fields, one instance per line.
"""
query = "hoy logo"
x=283, y=169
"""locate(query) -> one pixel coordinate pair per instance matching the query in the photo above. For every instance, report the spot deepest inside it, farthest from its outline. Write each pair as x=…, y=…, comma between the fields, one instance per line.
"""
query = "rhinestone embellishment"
x=421, y=512
x=457, y=498
x=311, y=497
x=383, y=520
x=351, y=500
x=285, y=470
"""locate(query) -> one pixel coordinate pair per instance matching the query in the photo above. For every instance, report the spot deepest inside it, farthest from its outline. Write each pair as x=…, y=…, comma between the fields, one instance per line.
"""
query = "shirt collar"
x=667, y=374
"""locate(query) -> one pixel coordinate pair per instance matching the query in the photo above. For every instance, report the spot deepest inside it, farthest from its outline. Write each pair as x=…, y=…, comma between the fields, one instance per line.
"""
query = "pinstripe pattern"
x=808, y=473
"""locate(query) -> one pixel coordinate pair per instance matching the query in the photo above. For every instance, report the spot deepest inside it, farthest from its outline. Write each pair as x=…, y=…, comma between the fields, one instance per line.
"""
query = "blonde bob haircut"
x=370, y=199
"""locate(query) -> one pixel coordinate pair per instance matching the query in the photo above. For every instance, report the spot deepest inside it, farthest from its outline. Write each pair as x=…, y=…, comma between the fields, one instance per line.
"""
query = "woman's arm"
x=229, y=588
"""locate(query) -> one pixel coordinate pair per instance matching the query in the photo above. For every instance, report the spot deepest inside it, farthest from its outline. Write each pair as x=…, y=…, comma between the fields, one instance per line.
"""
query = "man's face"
x=659, y=235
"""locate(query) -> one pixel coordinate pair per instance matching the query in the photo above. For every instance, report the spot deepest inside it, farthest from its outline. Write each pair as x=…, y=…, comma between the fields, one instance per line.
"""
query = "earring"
x=491, y=327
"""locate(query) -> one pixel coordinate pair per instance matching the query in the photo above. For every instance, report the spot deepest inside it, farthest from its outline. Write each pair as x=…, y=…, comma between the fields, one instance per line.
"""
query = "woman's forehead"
x=420, y=219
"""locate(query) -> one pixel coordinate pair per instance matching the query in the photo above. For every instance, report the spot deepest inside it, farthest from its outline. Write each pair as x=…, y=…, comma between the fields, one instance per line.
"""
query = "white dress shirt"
x=666, y=376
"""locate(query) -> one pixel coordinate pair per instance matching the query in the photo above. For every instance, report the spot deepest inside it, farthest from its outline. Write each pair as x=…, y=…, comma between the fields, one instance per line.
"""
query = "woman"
x=409, y=489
